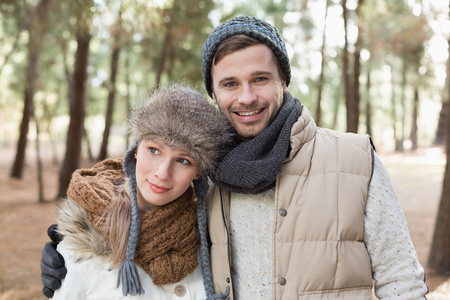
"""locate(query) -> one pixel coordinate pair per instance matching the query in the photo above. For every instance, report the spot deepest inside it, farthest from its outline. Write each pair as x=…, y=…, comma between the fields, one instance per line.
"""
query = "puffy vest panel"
x=319, y=251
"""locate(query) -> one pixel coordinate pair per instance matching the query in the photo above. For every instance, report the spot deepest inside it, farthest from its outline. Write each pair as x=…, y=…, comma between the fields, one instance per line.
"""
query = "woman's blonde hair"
x=117, y=223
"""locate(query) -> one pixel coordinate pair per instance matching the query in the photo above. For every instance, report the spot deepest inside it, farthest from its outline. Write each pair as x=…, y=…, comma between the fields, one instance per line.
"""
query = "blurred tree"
x=77, y=97
x=444, y=114
x=353, y=117
x=14, y=8
x=185, y=29
x=415, y=112
x=346, y=77
x=368, y=110
x=35, y=31
x=439, y=258
x=321, y=81
x=407, y=38
x=351, y=69
x=352, y=83
x=116, y=48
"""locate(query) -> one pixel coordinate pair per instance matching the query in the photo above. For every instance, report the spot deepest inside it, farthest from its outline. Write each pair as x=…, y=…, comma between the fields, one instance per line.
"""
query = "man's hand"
x=52, y=264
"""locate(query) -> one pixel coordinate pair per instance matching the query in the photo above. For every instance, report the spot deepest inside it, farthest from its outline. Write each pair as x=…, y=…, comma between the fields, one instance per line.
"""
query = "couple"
x=294, y=212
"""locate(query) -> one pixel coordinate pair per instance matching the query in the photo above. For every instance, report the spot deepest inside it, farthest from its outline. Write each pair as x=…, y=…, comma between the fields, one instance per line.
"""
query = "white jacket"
x=90, y=276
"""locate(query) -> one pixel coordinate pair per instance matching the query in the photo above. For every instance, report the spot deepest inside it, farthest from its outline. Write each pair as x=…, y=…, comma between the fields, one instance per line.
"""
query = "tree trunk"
x=368, y=105
x=110, y=106
x=345, y=67
x=39, y=163
x=414, y=126
x=28, y=108
x=393, y=105
x=445, y=110
x=171, y=67
x=78, y=91
x=355, y=96
x=337, y=104
x=128, y=83
x=112, y=93
x=442, y=123
x=401, y=139
x=163, y=56
x=88, y=143
x=439, y=258
x=322, y=69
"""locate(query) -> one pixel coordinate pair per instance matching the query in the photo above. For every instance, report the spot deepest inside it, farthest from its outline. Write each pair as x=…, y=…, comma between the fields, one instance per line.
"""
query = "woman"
x=141, y=210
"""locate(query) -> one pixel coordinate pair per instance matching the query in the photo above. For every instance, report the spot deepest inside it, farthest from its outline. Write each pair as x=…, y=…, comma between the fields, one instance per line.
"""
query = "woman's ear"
x=197, y=176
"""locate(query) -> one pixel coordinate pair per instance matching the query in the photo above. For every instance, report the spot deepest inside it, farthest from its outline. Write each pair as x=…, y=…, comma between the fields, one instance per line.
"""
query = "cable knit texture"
x=169, y=239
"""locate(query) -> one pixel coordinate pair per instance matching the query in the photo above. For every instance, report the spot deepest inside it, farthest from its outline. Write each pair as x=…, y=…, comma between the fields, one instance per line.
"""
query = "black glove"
x=52, y=264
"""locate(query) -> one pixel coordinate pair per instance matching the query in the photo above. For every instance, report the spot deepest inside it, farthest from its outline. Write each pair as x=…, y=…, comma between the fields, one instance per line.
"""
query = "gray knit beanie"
x=249, y=26
x=182, y=118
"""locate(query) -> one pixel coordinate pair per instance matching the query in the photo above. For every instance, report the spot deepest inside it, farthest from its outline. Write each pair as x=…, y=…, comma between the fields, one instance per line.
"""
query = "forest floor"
x=417, y=178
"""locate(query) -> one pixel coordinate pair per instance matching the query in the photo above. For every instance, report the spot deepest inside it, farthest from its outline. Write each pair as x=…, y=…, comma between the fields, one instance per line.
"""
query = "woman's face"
x=162, y=173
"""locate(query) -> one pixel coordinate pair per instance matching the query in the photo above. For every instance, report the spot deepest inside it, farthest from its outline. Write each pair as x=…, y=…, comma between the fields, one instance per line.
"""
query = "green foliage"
x=163, y=40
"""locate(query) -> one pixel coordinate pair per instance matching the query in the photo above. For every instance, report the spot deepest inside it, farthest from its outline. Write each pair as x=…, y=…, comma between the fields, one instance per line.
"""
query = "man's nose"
x=247, y=95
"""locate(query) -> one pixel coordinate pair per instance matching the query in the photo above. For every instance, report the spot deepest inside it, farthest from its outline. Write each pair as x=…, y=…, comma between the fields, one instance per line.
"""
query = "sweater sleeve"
x=395, y=266
x=72, y=287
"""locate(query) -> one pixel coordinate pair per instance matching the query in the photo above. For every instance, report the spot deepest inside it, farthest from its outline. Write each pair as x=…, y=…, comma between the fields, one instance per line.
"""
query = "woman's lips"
x=158, y=188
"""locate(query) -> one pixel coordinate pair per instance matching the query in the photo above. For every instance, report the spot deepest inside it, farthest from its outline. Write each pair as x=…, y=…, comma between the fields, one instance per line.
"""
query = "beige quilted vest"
x=320, y=197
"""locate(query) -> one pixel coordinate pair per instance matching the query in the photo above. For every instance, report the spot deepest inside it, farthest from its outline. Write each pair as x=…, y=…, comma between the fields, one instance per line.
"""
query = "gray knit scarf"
x=252, y=167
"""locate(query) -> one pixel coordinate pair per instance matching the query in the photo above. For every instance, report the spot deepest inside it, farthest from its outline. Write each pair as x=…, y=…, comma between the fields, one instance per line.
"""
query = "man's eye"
x=230, y=84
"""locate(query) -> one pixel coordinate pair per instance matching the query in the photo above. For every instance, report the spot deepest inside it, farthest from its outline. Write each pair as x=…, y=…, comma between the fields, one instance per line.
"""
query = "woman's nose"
x=163, y=171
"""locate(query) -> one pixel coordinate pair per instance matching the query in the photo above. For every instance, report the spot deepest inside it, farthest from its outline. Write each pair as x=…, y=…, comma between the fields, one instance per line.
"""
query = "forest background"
x=70, y=71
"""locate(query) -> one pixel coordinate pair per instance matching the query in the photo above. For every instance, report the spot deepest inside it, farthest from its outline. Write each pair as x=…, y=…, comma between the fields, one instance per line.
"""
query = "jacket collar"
x=303, y=131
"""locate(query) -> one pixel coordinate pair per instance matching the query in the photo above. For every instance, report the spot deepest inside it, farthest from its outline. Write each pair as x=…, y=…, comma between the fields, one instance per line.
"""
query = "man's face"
x=248, y=89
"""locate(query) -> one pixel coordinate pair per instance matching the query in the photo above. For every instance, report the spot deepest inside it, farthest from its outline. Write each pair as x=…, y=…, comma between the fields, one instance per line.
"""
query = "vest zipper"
x=228, y=232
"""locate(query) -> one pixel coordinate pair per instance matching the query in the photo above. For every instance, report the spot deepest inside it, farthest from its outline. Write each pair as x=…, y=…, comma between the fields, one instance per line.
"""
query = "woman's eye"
x=154, y=150
x=184, y=161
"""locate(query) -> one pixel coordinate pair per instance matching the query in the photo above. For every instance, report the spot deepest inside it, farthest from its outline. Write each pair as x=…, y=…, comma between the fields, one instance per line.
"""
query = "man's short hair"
x=251, y=27
x=240, y=42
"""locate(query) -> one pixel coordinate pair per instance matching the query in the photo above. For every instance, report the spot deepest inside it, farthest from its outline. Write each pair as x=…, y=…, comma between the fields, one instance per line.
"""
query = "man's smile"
x=248, y=113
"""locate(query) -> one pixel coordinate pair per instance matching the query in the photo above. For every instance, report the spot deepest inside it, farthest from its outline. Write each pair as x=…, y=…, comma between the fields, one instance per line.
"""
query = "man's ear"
x=283, y=80
x=213, y=96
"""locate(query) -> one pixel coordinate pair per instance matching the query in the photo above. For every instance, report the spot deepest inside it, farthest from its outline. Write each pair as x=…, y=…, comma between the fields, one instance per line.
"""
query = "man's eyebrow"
x=226, y=79
x=256, y=73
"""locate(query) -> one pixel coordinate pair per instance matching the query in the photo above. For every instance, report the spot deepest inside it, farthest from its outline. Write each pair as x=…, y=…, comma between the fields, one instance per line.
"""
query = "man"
x=297, y=211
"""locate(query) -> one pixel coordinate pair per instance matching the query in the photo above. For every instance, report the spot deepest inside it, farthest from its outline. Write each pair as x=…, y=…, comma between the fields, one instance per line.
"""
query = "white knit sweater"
x=395, y=266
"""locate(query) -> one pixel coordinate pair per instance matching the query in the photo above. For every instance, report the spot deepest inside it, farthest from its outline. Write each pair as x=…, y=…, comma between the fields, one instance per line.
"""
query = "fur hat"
x=182, y=118
x=249, y=26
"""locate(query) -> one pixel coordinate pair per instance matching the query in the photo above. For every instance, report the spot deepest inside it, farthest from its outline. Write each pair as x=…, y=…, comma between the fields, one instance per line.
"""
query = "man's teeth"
x=250, y=113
